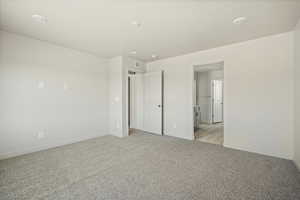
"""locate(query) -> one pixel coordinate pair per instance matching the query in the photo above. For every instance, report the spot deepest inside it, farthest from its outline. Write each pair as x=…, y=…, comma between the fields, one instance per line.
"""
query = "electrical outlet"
x=40, y=134
x=174, y=125
x=66, y=86
x=118, y=125
x=41, y=85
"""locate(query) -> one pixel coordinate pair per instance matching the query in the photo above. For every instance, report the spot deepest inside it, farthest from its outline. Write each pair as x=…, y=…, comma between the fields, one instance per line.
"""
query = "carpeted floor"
x=144, y=166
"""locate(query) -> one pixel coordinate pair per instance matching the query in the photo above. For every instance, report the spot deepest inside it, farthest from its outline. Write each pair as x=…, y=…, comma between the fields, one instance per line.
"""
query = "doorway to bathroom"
x=208, y=103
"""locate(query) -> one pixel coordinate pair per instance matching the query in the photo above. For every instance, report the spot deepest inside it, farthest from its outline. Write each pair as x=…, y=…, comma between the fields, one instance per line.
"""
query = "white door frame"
x=190, y=98
x=132, y=91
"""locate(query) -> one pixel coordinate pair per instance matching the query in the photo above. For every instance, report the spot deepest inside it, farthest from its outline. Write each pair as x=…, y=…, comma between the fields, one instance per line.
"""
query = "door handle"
x=159, y=106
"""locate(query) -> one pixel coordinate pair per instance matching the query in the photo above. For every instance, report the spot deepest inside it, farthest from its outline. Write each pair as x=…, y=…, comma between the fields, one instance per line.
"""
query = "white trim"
x=185, y=138
x=297, y=164
x=230, y=146
x=47, y=146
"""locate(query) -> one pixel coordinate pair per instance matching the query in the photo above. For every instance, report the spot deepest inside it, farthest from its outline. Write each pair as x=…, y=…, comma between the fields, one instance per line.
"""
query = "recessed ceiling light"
x=133, y=52
x=239, y=20
x=39, y=19
x=154, y=56
x=136, y=23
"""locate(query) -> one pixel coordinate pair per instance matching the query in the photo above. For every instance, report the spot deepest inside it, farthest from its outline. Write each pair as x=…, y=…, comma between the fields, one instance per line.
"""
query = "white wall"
x=118, y=92
x=216, y=75
x=134, y=64
x=204, y=99
x=138, y=67
x=71, y=107
x=258, y=100
x=137, y=101
x=297, y=95
x=115, y=82
x=204, y=92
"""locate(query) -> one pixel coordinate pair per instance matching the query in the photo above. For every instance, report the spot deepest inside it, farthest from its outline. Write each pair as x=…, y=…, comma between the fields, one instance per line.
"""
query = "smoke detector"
x=239, y=20
x=39, y=18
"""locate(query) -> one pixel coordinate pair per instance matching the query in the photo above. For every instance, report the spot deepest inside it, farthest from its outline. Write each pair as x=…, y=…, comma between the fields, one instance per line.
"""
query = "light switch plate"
x=41, y=85
x=66, y=86
x=40, y=134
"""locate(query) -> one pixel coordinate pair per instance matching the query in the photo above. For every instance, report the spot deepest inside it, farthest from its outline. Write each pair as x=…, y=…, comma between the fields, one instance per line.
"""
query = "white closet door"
x=153, y=102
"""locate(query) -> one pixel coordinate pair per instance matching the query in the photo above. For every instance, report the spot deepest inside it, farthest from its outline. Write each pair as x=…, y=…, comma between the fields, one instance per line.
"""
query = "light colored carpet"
x=144, y=166
x=211, y=133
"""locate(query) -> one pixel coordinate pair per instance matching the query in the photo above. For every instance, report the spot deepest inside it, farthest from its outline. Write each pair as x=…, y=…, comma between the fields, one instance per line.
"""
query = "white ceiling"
x=169, y=27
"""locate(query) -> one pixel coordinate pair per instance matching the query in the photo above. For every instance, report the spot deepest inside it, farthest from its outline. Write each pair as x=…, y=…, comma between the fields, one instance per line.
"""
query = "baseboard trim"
x=256, y=152
x=297, y=164
x=185, y=138
x=46, y=146
x=119, y=135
